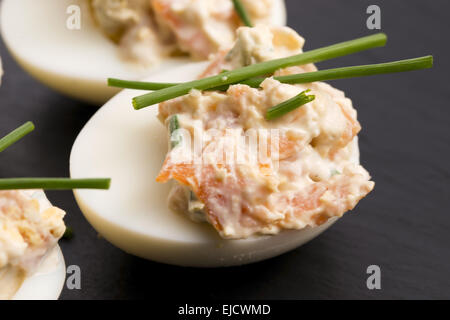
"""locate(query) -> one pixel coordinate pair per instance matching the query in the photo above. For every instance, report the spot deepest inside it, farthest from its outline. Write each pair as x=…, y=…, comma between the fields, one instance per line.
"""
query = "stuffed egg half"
x=73, y=46
x=249, y=212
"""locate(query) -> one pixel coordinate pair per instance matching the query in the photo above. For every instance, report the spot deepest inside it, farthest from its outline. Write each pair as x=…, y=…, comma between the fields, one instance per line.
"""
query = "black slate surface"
x=403, y=226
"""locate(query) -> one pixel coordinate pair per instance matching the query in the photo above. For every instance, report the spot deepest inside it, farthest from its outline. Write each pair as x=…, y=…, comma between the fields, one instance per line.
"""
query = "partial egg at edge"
x=71, y=61
x=47, y=282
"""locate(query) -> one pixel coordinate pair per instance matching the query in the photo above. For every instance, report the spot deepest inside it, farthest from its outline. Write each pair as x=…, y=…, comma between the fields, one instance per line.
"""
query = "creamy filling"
x=29, y=228
x=148, y=31
x=309, y=177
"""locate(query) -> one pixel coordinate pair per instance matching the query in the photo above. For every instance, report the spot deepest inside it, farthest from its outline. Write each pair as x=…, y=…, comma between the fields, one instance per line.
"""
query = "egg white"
x=129, y=146
x=73, y=62
x=48, y=281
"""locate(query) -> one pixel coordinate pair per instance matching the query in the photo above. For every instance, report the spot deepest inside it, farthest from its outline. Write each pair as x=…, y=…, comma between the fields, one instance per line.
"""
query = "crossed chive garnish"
x=255, y=74
x=44, y=183
x=307, y=77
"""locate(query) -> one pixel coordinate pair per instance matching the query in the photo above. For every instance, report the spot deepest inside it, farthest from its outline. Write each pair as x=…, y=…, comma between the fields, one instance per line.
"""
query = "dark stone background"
x=403, y=226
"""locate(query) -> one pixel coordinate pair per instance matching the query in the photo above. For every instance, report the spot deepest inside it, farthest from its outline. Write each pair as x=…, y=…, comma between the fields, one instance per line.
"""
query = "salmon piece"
x=183, y=173
x=319, y=202
x=330, y=143
x=215, y=192
x=204, y=189
x=353, y=128
x=162, y=8
x=216, y=65
x=190, y=38
x=309, y=199
x=289, y=147
x=265, y=169
x=283, y=148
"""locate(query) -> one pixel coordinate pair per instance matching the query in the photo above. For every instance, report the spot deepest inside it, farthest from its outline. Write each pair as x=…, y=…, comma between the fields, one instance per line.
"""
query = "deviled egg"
x=221, y=214
x=31, y=264
x=74, y=45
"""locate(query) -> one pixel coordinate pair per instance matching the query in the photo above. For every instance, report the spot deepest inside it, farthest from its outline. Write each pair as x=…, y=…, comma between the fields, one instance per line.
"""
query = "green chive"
x=53, y=183
x=351, y=72
x=334, y=172
x=242, y=13
x=16, y=135
x=289, y=105
x=174, y=125
x=259, y=69
x=138, y=85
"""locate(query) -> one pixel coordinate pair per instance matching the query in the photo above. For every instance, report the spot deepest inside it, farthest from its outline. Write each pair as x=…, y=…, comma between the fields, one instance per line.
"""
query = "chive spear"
x=289, y=105
x=242, y=13
x=351, y=72
x=53, y=183
x=259, y=69
x=44, y=183
x=139, y=85
x=308, y=77
x=16, y=135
